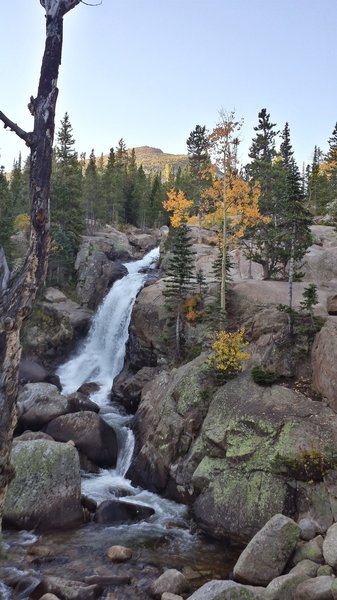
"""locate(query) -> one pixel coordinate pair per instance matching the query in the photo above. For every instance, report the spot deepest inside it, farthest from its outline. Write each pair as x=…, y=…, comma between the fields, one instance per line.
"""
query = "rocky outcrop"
x=271, y=447
x=45, y=492
x=55, y=326
x=127, y=387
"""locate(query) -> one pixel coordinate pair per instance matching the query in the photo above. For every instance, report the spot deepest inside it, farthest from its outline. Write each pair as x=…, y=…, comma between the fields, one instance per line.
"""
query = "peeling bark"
x=16, y=302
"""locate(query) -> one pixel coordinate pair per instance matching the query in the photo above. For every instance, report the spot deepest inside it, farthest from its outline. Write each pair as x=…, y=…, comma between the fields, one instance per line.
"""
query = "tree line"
x=268, y=207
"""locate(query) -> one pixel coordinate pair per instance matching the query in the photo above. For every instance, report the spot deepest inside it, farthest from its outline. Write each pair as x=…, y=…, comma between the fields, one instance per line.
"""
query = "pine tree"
x=331, y=159
x=19, y=188
x=198, y=146
x=91, y=191
x=67, y=216
x=296, y=219
x=318, y=192
x=6, y=215
x=179, y=279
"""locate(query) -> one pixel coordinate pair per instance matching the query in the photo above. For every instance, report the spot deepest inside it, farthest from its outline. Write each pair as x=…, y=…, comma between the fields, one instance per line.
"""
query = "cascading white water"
x=100, y=359
x=102, y=355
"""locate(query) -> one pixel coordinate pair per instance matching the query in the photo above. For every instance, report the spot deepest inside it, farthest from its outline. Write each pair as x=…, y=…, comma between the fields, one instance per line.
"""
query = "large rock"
x=268, y=552
x=169, y=417
x=40, y=403
x=97, y=277
x=330, y=546
x=46, y=491
x=316, y=589
x=117, y=511
x=324, y=356
x=170, y=581
x=127, y=388
x=227, y=590
x=270, y=446
x=90, y=433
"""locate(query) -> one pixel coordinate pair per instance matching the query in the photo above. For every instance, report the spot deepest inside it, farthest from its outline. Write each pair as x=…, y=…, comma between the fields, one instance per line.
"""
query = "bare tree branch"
x=27, y=137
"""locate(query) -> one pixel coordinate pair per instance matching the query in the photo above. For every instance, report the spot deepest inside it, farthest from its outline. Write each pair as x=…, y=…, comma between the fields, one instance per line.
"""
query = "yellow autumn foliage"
x=228, y=352
x=242, y=205
x=22, y=223
x=178, y=205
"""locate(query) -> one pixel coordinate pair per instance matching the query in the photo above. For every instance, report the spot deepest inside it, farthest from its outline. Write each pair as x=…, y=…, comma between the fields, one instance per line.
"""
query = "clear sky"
x=150, y=70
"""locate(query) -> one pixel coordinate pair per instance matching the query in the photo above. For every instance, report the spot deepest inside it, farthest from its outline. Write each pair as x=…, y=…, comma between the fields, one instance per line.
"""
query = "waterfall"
x=101, y=357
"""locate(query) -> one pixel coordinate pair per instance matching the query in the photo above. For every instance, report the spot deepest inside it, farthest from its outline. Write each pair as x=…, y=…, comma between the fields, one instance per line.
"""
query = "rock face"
x=127, y=388
x=268, y=551
x=46, y=491
x=90, y=433
x=324, y=355
x=266, y=446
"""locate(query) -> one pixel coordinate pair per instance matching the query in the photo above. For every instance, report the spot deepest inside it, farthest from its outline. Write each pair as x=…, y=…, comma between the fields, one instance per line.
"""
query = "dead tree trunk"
x=16, y=303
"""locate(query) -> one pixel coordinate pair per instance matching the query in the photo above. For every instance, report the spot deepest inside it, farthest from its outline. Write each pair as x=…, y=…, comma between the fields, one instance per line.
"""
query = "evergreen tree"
x=264, y=169
x=331, y=159
x=19, y=188
x=91, y=191
x=67, y=215
x=318, y=192
x=197, y=173
x=6, y=215
x=179, y=279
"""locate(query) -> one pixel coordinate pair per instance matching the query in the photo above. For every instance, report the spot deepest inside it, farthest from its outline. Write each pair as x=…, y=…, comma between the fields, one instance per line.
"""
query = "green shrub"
x=264, y=376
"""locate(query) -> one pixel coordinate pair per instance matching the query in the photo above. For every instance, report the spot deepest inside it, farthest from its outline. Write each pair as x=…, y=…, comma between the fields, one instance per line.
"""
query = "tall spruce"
x=180, y=280
x=295, y=220
x=67, y=215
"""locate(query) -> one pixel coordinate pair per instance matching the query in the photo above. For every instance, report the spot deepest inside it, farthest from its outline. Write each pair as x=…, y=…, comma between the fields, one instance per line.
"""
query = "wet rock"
x=88, y=388
x=46, y=490
x=89, y=503
x=268, y=552
x=316, y=589
x=170, y=581
x=330, y=546
x=96, y=276
x=227, y=590
x=67, y=590
x=78, y=402
x=117, y=511
x=91, y=434
x=169, y=596
x=119, y=553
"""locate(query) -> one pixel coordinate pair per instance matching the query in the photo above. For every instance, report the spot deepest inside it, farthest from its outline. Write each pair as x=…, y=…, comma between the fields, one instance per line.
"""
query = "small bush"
x=228, y=353
x=264, y=376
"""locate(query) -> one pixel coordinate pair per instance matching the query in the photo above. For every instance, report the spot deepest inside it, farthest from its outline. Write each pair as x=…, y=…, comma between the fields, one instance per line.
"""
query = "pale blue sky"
x=150, y=70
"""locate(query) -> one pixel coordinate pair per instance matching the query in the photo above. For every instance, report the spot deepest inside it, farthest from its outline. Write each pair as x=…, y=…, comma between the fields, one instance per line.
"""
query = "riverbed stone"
x=319, y=588
x=39, y=403
x=227, y=590
x=169, y=596
x=90, y=433
x=68, y=589
x=266, y=555
x=46, y=491
x=330, y=546
x=119, y=553
x=170, y=581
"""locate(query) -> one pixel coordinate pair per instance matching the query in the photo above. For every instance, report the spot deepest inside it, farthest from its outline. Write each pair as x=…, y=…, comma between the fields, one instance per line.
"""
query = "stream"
x=163, y=541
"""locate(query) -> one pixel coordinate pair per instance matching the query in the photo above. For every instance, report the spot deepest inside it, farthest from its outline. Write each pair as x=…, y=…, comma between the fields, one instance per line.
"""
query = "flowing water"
x=165, y=539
